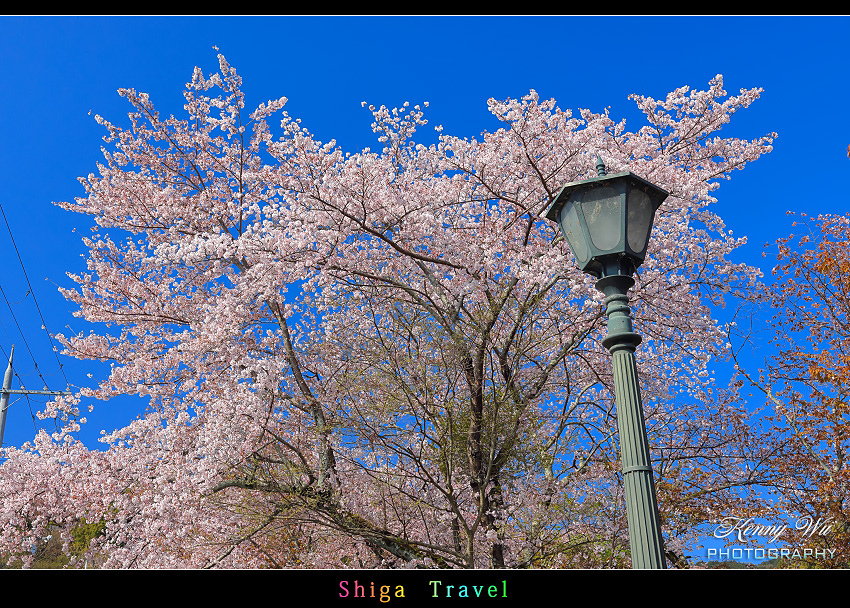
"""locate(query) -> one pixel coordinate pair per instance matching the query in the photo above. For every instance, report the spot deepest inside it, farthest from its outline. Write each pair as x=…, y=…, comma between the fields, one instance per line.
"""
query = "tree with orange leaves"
x=807, y=382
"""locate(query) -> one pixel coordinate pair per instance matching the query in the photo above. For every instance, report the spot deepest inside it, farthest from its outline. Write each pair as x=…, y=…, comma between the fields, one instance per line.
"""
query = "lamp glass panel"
x=639, y=221
x=571, y=228
x=602, y=213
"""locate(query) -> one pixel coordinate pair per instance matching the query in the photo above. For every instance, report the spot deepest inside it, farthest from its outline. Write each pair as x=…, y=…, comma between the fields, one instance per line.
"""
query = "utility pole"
x=7, y=390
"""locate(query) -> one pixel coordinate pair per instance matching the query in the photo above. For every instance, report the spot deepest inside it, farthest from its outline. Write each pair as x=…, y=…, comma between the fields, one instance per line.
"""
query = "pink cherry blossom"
x=383, y=357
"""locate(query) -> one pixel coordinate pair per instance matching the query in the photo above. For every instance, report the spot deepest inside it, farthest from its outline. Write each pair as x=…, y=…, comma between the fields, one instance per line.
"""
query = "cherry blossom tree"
x=384, y=358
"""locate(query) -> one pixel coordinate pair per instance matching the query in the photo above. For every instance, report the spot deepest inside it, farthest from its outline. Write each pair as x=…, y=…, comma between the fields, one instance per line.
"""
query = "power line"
x=21, y=331
x=35, y=301
x=6, y=391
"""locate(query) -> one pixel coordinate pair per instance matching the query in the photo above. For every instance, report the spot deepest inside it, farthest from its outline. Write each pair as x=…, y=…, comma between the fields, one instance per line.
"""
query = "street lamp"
x=607, y=221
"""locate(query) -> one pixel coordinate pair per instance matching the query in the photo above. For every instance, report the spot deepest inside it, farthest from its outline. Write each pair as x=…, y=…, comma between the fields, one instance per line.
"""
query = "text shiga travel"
x=437, y=589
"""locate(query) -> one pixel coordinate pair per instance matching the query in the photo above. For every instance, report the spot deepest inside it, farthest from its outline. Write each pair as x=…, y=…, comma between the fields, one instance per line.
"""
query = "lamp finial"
x=600, y=166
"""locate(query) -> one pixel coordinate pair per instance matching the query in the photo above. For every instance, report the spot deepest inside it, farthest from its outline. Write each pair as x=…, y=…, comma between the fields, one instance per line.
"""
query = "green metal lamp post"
x=607, y=221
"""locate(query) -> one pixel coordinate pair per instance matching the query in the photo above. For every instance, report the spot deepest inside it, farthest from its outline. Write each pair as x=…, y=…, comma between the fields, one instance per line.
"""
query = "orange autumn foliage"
x=808, y=381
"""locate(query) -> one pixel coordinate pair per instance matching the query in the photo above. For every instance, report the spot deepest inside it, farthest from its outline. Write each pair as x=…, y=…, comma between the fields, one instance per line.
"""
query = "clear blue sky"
x=60, y=71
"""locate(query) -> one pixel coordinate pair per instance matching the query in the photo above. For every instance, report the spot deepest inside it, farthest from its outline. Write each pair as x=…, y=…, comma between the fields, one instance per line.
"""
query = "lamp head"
x=607, y=220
